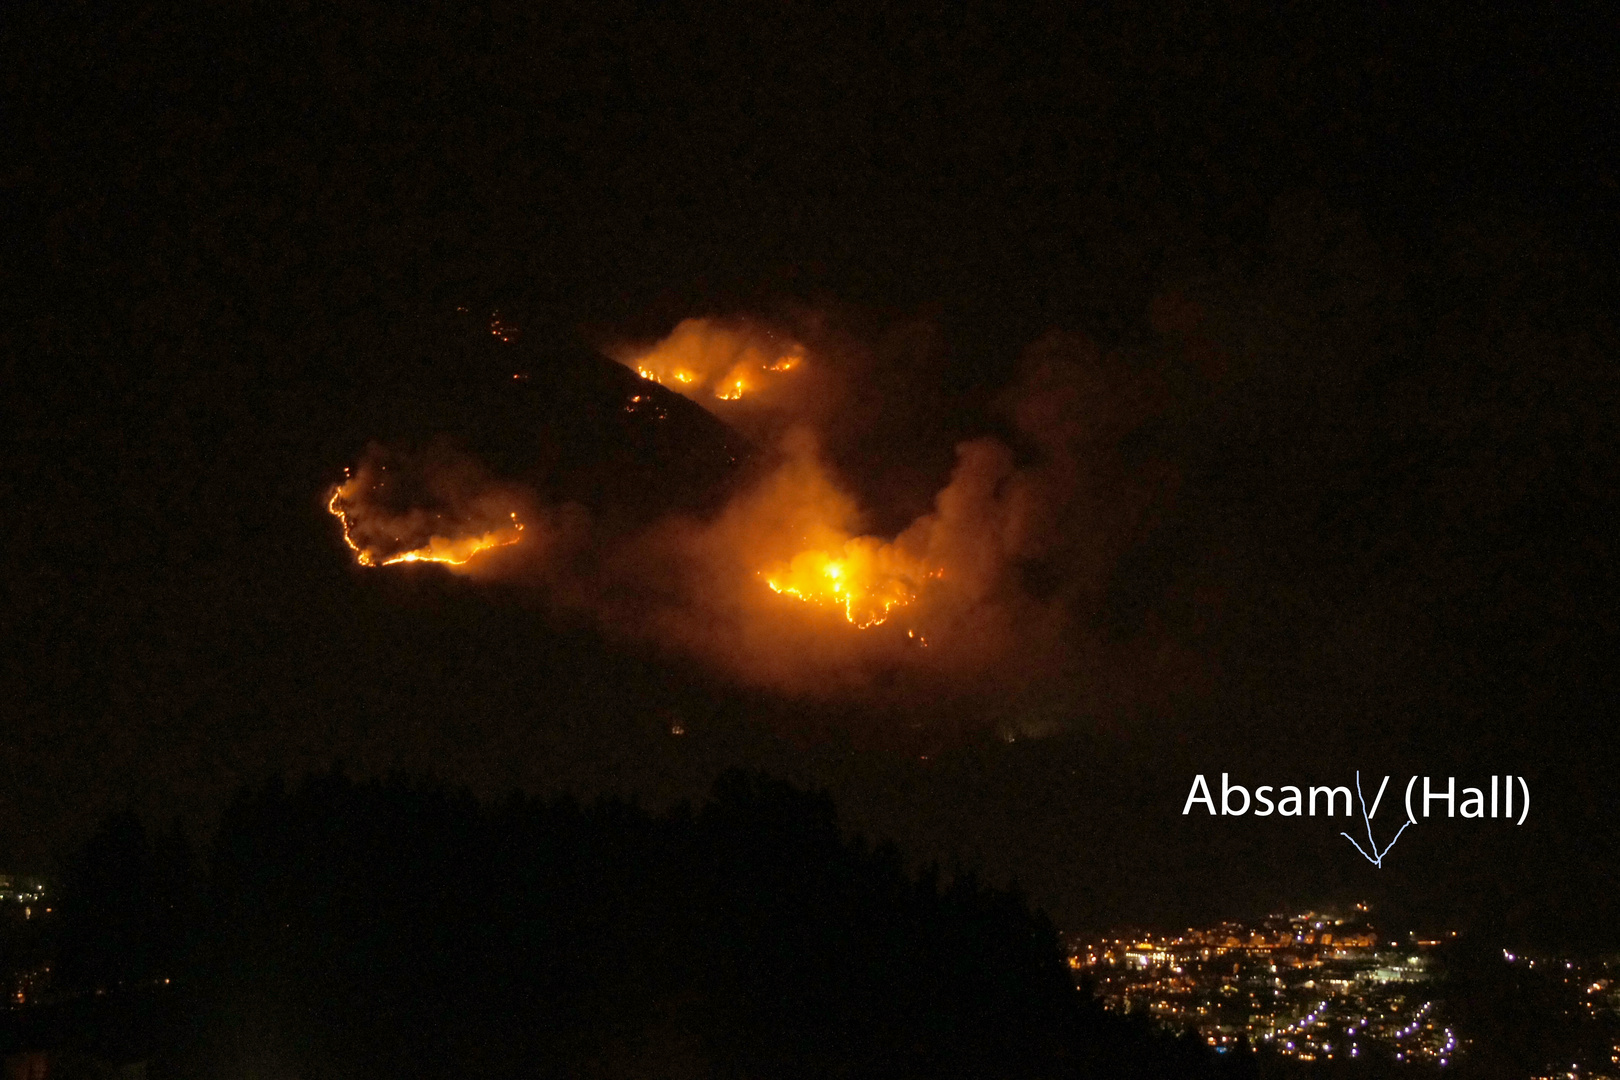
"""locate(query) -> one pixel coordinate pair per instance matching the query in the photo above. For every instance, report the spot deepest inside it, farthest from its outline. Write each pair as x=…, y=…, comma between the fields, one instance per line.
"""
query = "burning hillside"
x=781, y=584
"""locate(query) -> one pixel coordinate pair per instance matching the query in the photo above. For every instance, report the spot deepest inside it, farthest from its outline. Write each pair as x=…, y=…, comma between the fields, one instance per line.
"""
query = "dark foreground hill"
x=401, y=930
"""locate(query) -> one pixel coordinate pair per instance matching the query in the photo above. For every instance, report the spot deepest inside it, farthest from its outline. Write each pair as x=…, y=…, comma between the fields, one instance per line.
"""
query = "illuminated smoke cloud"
x=758, y=379
x=439, y=506
x=784, y=588
x=995, y=586
x=711, y=361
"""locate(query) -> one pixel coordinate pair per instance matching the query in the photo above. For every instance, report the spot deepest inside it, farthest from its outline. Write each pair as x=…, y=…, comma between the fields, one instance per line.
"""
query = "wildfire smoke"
x=438, y=508
x=783, y=587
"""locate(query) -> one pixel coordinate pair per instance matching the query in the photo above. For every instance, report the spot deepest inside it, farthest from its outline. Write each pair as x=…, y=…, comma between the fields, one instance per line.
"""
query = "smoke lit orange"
x=447, y=550
x=864, y=579
x=728, y=362
x=782, y=581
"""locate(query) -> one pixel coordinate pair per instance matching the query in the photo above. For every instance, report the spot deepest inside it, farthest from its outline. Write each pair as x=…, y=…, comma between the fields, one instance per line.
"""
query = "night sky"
x=1330, y=295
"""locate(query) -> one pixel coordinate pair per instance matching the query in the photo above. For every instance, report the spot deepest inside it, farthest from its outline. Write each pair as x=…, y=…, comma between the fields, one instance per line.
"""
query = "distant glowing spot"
x=640, y=401
x=787, y=363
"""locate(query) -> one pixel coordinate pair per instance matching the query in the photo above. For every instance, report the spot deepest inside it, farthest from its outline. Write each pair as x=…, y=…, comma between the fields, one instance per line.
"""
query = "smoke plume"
x=994, y=589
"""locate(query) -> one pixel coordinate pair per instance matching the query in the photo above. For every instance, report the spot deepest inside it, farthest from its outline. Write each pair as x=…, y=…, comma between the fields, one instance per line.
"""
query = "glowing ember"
x=642, y=402
x=501, y=328
x=864, y=579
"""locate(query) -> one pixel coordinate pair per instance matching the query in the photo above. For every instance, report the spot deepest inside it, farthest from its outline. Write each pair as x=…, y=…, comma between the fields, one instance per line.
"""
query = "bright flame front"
x=449, y=550
x=863, y=579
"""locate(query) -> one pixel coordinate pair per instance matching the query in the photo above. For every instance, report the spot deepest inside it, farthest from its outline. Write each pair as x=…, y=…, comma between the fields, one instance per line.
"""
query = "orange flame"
x=680, y=375
x=732, y=388
x=728, y=362
x=866, y=579
x=449, y=551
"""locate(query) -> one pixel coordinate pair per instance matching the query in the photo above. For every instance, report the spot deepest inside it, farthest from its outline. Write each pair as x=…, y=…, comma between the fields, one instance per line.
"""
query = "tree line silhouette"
x=399, y=928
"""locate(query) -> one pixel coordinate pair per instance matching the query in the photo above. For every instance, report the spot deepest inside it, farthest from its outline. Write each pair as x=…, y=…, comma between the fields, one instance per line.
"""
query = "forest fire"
x=726, y=363
x=451, y=535
x=451, y=551
x=862, y=580
x=785, y=583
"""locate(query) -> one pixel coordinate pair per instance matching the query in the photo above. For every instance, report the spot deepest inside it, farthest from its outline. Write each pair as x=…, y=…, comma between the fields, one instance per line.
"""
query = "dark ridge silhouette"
x=401, y=929
x=550, y=414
